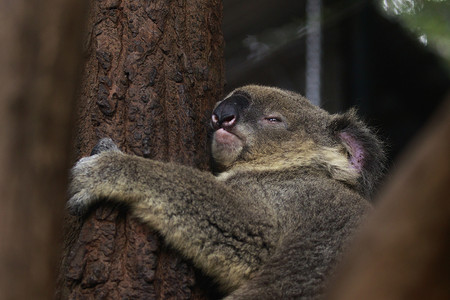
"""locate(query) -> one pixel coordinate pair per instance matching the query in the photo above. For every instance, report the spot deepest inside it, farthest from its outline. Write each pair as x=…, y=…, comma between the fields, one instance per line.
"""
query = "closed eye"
x=273, y=120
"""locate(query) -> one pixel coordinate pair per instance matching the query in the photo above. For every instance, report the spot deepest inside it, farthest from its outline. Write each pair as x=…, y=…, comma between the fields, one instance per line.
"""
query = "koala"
x=290, y=184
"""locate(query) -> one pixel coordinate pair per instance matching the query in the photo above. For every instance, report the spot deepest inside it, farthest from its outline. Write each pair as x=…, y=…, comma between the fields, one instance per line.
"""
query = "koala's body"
x=292, y=183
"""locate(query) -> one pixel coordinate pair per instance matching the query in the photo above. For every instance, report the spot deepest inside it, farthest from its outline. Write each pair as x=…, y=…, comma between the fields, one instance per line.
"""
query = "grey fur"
x=272, y=222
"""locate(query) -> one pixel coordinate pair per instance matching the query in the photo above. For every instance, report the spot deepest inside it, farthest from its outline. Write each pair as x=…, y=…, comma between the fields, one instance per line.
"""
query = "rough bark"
x=153, y=71
x=39, y=58
x=403, y=253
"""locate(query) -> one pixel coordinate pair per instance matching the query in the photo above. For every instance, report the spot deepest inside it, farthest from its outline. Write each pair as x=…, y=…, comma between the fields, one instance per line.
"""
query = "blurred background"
x=388, y=58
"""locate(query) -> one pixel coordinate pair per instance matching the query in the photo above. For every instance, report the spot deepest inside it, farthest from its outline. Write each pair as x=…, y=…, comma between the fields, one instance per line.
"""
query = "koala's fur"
x=292, y=184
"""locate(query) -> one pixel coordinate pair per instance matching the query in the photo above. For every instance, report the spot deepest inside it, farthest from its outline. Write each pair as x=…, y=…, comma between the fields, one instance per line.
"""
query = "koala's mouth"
x=226, y=147
x=226, y=137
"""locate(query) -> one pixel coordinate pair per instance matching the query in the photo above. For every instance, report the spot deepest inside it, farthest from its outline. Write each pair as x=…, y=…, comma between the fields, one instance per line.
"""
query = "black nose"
x=227, y=113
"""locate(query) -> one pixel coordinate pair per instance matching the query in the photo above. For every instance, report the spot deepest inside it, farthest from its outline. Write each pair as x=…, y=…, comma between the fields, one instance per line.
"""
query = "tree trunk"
x=39, y=58
x=153, y=71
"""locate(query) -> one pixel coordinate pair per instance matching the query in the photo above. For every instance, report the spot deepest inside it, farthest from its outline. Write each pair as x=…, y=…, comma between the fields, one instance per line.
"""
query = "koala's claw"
x=78, y=204
x=80, y=188
x=105, y=144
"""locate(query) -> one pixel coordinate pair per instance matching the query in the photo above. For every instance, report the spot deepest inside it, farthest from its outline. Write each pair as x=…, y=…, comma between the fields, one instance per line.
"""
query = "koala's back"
x=314, y=212
x=300, y=196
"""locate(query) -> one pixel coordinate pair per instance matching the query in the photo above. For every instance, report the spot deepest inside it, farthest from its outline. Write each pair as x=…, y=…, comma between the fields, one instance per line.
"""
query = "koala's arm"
x=225, y=233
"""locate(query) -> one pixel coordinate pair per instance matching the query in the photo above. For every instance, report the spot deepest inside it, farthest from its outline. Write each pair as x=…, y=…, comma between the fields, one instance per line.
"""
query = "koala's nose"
x=227, y=113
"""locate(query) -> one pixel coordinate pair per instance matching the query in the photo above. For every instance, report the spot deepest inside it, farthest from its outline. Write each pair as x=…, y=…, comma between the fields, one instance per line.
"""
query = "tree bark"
x=39, y=58
x=153, y=71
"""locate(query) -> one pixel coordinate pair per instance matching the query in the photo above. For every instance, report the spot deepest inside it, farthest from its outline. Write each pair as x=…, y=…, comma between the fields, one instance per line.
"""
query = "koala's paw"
x=82, y=186
x=105, y=144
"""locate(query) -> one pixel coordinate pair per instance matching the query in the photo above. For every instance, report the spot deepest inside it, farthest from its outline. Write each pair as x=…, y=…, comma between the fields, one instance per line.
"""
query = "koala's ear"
x=365, y=151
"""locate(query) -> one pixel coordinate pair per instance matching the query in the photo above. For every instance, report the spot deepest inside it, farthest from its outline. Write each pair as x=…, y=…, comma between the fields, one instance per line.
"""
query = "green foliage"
x=429, y=20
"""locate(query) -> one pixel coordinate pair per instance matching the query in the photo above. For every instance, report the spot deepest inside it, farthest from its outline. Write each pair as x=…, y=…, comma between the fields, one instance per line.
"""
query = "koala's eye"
x=273, y=119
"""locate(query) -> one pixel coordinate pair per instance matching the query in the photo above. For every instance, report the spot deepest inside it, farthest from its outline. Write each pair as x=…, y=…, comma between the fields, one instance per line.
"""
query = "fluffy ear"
x=365, y=151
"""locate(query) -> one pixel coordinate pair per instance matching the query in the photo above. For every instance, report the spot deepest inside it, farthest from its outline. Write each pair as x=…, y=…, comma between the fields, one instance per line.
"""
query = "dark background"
x=369, y=61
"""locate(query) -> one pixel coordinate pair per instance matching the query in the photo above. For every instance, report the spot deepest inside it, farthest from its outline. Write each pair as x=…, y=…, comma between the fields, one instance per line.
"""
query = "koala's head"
x=270, y=126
